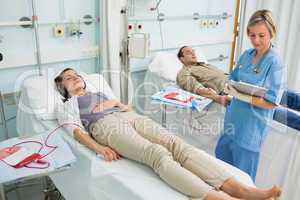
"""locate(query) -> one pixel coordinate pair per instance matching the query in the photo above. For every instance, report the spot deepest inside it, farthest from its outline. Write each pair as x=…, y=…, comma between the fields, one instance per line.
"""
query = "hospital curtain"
x=111, y=39
x=287, y=16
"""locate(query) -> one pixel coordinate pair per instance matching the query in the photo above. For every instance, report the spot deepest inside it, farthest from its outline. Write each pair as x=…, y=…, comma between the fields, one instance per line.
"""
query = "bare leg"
x=239, y=190
x=215, y=195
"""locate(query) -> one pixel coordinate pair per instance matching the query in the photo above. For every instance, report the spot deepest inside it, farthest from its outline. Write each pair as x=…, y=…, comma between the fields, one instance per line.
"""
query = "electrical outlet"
x=217, y=22
x=203, y=23
x=59, y=31
x=74, y=30
x=211, y=23
x=130, y=28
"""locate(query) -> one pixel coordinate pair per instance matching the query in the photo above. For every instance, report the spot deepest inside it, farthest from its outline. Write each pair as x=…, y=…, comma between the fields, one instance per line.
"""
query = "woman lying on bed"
x=113, y=130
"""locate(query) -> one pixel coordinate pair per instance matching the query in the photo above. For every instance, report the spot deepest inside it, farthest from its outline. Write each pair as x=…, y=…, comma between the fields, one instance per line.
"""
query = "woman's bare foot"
x=275, y=192
x=239, y=190
x=271, y=194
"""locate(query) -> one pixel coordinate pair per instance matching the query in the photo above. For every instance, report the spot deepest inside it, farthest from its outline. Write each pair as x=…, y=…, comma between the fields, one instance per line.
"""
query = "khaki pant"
x=185, y=168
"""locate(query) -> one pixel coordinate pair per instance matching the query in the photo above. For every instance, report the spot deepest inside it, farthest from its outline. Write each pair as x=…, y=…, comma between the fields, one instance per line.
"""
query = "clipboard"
x=248, y=89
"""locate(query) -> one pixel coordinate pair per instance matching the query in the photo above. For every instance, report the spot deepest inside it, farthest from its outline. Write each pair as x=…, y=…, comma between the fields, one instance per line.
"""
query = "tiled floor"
x=30, y=190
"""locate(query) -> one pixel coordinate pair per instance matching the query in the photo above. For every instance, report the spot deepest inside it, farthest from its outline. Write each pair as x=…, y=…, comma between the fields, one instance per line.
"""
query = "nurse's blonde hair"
x=265, y=17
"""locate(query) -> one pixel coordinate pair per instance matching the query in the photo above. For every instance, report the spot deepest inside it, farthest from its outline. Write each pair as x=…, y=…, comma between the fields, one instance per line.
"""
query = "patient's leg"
x=197, y=161
x=237, y=189
x=122, y=137
x=215, y=195
x=200, y=163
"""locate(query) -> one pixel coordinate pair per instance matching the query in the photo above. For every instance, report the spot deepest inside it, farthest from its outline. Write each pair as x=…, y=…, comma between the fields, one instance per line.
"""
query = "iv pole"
x=125, y=71
x=36, y=33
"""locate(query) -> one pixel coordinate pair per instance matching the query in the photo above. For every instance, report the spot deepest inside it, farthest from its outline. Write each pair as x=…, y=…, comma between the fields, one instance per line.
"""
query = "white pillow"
x=96, y=83
x=43, y=96
x=167, y=65
x=200, y=56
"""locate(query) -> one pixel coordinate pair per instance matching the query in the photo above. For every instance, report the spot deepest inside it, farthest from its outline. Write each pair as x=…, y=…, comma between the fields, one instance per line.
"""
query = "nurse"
x=246, y=124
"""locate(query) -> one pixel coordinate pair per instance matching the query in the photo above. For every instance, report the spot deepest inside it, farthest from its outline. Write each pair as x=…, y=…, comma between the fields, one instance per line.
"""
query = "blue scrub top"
x=245, y=124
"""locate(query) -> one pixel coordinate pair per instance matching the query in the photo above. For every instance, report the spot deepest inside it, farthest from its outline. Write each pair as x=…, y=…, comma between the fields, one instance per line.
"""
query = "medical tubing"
x=51, y=133
x=39, y=161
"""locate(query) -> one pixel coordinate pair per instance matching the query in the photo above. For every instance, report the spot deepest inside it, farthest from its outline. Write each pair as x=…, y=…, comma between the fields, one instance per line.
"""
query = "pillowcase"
x=167, y=65
x=43, y=96
x=97, y=83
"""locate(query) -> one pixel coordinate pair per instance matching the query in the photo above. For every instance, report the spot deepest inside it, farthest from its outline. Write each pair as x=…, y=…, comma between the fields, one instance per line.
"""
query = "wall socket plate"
x=59, y=31
x=203, y=23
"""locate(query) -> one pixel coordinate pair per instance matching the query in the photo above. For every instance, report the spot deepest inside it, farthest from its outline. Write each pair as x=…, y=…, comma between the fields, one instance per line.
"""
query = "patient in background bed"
x=113, y=129
x=200, y=78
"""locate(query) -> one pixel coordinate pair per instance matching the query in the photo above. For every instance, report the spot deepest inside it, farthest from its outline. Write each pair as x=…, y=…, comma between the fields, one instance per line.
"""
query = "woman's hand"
x=125, y=107
x=105, y=105
x=110, y=104
x=108, y=153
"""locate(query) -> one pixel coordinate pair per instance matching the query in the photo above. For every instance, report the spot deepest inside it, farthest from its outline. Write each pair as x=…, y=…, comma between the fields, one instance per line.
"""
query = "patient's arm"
x=188, y=82
x=85, y=139
x=206, y=92
x=210, y=93
x=105, y=105
x=125, y=107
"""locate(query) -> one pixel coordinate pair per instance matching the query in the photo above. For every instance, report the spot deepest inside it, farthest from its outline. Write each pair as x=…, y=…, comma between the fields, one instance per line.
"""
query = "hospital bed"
x=278, y=161
x=91, y=177
x=201, y=129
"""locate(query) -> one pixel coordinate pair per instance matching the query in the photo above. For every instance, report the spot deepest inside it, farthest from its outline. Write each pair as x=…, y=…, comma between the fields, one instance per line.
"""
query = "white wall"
x=171, y=34
x=18, y=44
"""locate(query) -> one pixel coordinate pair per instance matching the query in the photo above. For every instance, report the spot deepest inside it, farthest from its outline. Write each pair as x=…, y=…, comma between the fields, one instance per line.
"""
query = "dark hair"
x=180, y=53
x=60, y=87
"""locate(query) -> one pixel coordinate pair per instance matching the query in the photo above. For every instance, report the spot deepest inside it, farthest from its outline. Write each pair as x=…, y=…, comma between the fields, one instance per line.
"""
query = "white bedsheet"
x=92, y=178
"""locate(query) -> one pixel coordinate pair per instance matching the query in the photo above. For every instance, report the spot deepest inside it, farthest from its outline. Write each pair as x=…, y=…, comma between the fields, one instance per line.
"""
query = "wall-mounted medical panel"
x=183, y=32
x=151, y=27
x=66, y=29
x=205, y=24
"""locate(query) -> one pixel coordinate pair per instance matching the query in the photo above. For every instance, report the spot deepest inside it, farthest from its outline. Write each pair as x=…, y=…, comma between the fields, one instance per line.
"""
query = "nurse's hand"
x=262, y=103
